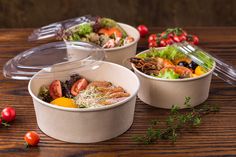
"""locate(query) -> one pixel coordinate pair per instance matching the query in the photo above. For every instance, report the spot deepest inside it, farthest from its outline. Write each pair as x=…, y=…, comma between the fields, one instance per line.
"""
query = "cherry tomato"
x=143, y=30
x=8, y=114
x=163, y=43
x=152, y=37
x=182, y=37
x=55, y=89
x=78, y=86
x=170, y=35
x=195, y=40
x=152, y=44
x=169, y=41
x=163, y=34
x=32, y=138
x=176, y=38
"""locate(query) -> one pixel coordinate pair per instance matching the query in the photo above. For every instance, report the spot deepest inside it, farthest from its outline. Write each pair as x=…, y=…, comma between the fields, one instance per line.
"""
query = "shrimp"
x=182, y=71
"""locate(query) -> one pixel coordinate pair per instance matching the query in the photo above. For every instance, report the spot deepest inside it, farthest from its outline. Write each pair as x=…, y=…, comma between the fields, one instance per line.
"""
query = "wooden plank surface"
x=215, y=137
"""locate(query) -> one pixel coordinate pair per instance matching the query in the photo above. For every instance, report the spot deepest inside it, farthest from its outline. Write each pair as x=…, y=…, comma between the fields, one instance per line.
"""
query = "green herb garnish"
x=175, y=122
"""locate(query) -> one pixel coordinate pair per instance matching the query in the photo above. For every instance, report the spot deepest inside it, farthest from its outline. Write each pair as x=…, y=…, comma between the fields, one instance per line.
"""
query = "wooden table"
x=216, y=135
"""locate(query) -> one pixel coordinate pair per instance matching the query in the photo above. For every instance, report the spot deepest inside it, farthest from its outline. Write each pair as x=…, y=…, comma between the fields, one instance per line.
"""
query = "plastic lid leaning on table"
x=54, y=57
x=223, y=70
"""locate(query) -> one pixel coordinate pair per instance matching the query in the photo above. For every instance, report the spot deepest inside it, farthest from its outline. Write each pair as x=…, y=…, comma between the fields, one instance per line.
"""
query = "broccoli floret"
x=84, y=29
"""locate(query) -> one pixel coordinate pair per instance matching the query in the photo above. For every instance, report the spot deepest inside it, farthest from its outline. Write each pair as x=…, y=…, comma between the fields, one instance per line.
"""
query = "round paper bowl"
x=86, y=125
x=118, y=55
x=164, y=93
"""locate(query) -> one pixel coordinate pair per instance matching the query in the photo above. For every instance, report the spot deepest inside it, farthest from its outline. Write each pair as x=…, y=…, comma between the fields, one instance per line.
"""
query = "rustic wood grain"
x=215, y=137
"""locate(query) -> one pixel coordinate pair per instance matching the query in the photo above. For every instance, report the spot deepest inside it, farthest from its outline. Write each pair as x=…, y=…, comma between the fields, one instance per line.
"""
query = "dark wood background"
x=33, y=13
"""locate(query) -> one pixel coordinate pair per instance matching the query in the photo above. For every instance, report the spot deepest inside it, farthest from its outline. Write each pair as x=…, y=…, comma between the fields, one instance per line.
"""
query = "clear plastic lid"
x=54, y=57
x=56, y=29
x=223, y=70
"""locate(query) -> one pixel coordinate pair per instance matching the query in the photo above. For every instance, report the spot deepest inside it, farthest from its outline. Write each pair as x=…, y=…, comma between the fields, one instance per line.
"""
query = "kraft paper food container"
x=164, y=93
x=87, y=125
x=43, y=64
x=118, y=55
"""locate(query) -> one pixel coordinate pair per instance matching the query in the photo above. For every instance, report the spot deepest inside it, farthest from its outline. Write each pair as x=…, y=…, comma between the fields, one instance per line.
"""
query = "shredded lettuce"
x=168, y=74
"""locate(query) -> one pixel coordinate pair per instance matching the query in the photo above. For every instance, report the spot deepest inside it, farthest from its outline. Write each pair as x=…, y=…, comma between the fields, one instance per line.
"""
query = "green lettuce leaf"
x=168, y=74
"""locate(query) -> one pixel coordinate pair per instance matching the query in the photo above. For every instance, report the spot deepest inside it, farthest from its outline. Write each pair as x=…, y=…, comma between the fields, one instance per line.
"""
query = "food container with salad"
x=91, y=104
x=119, y=40
x=167, y=75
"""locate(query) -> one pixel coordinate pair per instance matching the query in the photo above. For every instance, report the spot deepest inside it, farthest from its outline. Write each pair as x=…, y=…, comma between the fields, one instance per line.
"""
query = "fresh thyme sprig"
x=175, y=122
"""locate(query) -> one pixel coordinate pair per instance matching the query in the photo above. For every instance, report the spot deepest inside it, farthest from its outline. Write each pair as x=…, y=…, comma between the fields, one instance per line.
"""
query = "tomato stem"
x=5, y=124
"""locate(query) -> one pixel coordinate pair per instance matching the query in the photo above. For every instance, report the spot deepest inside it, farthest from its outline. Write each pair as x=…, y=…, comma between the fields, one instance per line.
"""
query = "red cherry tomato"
x=78, y=86
x=152, y=37
x=182, y=37
x=163, y=34
x=195, y=40
x=143, y=30
x=8, y=114
x=152, y=44
x=170, y=35
x=176, y=38
x=32, y=138
x=169, y=41
x=163, y=43
x=55, y=89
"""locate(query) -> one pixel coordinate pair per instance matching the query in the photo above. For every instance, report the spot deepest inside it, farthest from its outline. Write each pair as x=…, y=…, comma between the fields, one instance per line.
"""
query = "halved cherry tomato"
x=32, y=138
x=55, y=89
x=152, y=37
x=8, y=114
x=78, y=86
x=152, y=44
x=143, y=30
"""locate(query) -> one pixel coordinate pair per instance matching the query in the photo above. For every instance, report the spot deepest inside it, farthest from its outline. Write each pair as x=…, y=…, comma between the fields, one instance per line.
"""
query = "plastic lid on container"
x=223, y=70
x=56, y=29
x=54, y=57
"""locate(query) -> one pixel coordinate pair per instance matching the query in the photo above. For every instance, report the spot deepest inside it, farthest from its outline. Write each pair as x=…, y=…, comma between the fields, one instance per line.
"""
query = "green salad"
x=171, y=63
